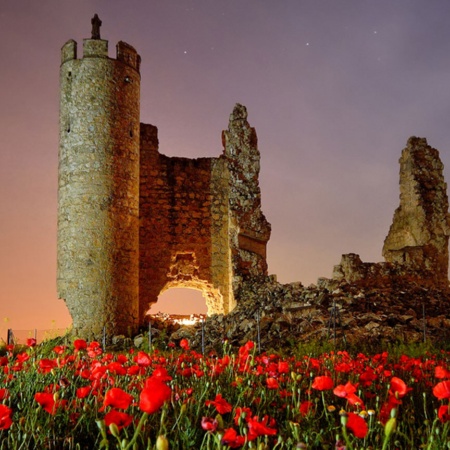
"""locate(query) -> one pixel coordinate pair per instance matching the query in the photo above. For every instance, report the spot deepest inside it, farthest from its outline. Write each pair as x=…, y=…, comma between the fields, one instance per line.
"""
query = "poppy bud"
x=390, y=426
x=162, y=443
x=114, y=429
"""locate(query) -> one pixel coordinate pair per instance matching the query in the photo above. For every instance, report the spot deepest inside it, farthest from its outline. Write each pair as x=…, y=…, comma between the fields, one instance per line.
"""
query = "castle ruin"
x=133, y=222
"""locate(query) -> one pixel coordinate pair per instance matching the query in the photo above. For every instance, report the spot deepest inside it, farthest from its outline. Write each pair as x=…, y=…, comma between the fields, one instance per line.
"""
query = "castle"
x=133, y=222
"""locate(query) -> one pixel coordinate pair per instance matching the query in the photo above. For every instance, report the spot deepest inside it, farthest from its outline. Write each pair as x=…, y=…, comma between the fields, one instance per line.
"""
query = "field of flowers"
x=78, y=396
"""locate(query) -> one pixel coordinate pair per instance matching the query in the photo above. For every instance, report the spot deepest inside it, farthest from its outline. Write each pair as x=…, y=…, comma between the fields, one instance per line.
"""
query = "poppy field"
x=78, y=396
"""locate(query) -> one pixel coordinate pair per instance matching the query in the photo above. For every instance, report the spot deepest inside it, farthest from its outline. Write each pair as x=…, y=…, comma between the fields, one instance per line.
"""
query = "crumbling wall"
x=249, y=229
x=416, y=247
x=418, y=237
x=201, y=224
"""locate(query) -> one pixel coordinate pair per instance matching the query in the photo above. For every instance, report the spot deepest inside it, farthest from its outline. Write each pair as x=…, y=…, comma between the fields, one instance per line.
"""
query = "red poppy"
x=322, y=383
x=232, y=439
x=184, y=344
x=272, y=383
x=142, y=359
x=209, y=424
x=59, y=349
x=444, y=413
x=80, y=344
x=154, y=395
x=398, y=388
x=357, y=425
x=442, y=390
x=5, y=417
x=117, y=398
x=119, y=418
x=46, y=400
x=46, y=365
x=259, y=428
x=116, y=368
x=306, y=407
x=83, y=392
x=94, y=349
x=441, y=372
x=31, y=342
x=283, y=367
x=221, y=405
x=4, y=393
x=161, y=374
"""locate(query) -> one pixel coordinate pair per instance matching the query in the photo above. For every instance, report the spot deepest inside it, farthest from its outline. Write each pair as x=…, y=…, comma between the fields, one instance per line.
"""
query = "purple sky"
x=334, y=89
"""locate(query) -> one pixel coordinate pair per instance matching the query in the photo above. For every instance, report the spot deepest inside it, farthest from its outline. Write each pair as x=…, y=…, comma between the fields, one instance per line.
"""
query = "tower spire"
x=96, y=24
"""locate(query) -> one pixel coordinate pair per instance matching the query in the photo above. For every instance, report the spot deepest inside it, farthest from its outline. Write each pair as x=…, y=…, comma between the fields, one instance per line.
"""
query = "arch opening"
x=181, y=301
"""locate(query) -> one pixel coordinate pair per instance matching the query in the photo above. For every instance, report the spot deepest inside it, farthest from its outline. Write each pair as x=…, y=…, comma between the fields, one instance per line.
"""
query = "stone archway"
x=184, y=272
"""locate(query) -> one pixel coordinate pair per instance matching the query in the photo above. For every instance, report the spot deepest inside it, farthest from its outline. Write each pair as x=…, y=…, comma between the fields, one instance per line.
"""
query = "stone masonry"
x=418, y=236
x=133, y=222
x=416, y=247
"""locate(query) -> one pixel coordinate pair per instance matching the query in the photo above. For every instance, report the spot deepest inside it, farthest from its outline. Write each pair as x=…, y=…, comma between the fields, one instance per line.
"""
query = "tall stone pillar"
x=418, y=237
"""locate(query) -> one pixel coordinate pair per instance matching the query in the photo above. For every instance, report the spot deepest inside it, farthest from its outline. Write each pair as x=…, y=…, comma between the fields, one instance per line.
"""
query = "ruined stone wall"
x=416, y=247
x=249, y=229
x=184, y=224
x=201, y=221
x=418, y=236
x=98, y=203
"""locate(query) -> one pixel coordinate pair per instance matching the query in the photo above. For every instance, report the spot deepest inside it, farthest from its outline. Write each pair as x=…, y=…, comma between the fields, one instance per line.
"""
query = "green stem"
x=137, y=431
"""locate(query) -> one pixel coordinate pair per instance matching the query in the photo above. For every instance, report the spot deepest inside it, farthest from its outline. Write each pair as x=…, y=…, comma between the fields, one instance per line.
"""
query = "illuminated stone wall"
x=133, y=222
x=201, y=220
x=98, y=195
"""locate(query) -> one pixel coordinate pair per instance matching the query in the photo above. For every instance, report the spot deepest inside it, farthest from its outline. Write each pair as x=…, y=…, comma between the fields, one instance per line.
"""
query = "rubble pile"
x=288, y=315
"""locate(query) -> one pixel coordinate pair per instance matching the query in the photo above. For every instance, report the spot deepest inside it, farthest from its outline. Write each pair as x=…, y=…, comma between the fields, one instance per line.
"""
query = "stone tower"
x=98, y=204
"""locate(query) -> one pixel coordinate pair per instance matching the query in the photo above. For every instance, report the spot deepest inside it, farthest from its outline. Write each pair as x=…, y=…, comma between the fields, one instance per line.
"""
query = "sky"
x=334, y=89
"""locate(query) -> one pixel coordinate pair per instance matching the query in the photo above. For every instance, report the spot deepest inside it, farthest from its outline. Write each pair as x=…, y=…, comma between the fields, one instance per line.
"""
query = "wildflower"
x=272, y=383
x=80, y=344
x=221, y=405
x=232, y=439
x=117, y=398
x=442, y=390
x=322, y=383
x=142, y=359
x=154, y=395
x=259, y=428
x=441, y=372
x=357, y=425
x=306, y=407
x=184, y=344
x=444, y=413
x=31, y=342
x=118, y=418
x=46, y=365
x=398, y=388
x=5, y=417
x=4, y=393
x=94, y=349
x=46, y=400
x=241, y=412
x=59, y=349
x=161, y=374
x=83, y=392
x=209, y=424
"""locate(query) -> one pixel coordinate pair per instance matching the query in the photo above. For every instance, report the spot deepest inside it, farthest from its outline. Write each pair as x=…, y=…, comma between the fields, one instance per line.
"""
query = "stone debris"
x=404, y=312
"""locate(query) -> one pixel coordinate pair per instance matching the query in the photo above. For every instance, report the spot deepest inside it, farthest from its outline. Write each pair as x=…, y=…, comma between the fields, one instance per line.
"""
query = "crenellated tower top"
x=95, y=47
